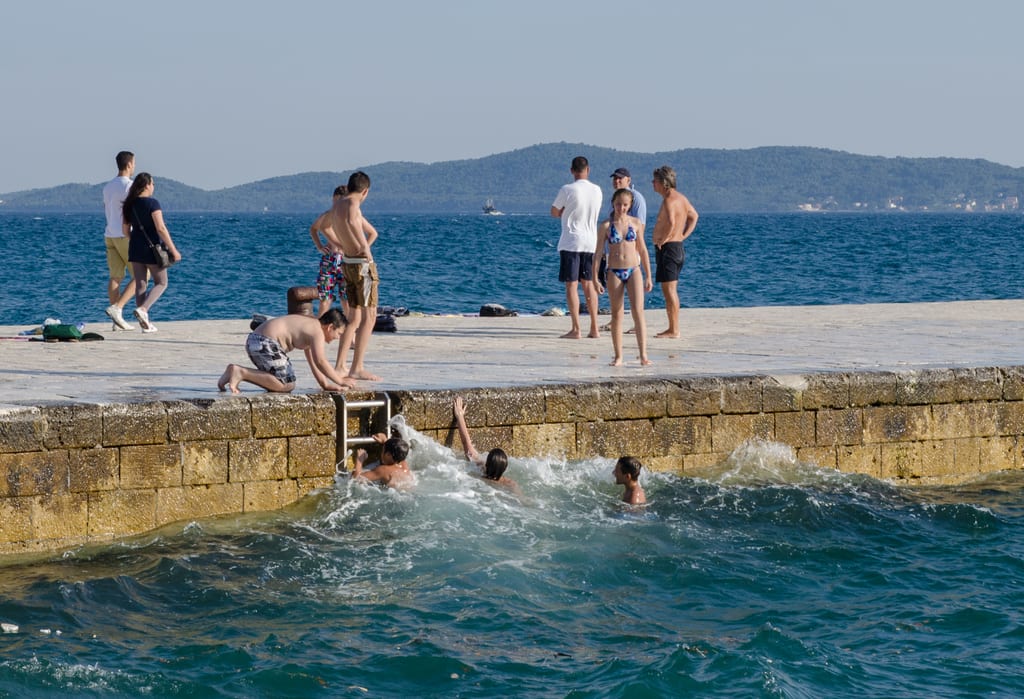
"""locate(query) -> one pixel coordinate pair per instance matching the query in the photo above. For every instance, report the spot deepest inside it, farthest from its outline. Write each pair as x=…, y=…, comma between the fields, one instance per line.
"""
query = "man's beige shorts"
x=117, y=257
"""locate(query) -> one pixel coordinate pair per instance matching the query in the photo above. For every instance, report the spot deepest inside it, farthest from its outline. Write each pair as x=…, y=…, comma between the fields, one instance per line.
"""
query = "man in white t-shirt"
x=116, y=243
x=578, y=205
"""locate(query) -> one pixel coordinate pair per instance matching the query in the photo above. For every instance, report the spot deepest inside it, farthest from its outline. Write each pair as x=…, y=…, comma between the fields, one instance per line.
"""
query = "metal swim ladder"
x=345, y=441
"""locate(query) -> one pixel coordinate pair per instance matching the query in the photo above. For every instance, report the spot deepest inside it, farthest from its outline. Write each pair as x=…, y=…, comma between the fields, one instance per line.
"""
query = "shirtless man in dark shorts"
x=676, y=220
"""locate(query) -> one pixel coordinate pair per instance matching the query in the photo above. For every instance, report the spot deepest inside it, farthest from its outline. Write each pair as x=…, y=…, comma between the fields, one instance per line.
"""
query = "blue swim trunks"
x=268, y=356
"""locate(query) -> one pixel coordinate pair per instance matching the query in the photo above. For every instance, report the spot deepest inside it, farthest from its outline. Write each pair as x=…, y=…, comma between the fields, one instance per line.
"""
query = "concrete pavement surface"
x=185, y=358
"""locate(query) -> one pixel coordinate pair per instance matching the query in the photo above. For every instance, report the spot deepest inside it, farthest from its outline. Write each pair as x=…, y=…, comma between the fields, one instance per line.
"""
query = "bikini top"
x=615, y=237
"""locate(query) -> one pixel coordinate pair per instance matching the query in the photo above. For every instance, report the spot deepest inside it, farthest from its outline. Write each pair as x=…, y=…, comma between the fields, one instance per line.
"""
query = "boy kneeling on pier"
x=268, y=347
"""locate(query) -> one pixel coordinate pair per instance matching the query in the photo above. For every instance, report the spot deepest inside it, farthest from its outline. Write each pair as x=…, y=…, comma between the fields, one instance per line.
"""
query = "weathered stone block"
x=926, y=387
x=577, y=403
x=665, y=464
x=783, y=393
x=73, y=426
x=614, y=438
x=860, y=459
x=257, y=460
x=695, y=465
x=540, y=441
x=197, y=502
x=627, y=400
x=1013, y=382
x=902, y=460
x=137, y=423
x=15, y=519
x=34, y=473
x=981, y=384
x=697, y=396
x=897, y=423
x=121, y=512
x=966, y=458
x=729, y=431
x=996, y=454
x=954, y=420
x=827, y=391
x=204, y=462
x=872, y=389
x=64, y=516
x=937, y=458
x=682, y=435
x=741, y=394
x=305, y=486
x=151, y=466
x=796, y=429
x=197, y=420
x=311, y=456
x=839, y=427
x=93, y=469
x=262, y=496
x=1010, y=418
x=22, y=430
x=517, y=406
x=287, y=415
x=824, y=457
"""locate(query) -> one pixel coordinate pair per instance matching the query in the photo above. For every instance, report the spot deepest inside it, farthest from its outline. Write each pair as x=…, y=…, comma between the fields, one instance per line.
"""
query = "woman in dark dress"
x=144, y=226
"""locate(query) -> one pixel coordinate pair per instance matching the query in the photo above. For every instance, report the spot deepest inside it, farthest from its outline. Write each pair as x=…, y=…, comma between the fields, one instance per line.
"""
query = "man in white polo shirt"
x=578, y=205
x=116, y=243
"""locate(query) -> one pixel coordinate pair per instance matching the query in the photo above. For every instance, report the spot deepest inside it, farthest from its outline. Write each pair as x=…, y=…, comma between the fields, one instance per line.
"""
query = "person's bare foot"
x=230, y=378
x=667, y=333
x=363, y=375
x=571, y=335
x=616, y=362
x=594, y=334
x=644, y=361
x=224, y=378
x=631, y=331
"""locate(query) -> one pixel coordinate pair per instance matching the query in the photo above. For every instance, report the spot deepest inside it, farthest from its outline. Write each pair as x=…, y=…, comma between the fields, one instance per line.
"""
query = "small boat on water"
x=490, y=209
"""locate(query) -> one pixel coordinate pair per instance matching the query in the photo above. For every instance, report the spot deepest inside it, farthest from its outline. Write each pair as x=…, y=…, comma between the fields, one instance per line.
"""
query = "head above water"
x=497, y=462
x=396, y=448
x=629, y=467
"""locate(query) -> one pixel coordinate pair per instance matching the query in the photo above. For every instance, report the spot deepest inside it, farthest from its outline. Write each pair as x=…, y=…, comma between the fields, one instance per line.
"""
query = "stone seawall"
x=75, y=474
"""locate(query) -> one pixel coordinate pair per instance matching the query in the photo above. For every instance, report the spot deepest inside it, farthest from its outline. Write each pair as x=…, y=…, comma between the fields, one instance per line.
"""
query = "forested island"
x=768, y=179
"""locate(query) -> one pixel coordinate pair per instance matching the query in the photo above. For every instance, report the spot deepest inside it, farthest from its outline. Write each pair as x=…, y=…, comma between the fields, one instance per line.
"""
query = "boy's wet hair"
x=630, y=466
x=497, y=462
x=358, y=181
x=334, y=317
x=397, y=448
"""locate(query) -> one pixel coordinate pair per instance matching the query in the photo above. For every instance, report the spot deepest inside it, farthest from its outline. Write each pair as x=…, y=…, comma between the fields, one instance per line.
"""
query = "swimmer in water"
x=627, y=474
x=494, y=464
x=392, y=471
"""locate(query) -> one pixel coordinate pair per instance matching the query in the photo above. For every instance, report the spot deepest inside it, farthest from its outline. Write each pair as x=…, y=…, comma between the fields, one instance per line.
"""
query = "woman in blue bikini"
x=629, y=270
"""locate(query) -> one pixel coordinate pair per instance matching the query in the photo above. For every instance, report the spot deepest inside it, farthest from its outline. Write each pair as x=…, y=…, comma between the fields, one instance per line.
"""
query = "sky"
x=216, y=93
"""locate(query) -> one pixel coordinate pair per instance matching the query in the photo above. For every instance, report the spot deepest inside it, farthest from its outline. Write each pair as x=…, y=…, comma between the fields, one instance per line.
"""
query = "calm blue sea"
x=235, y=265
x=766, y=578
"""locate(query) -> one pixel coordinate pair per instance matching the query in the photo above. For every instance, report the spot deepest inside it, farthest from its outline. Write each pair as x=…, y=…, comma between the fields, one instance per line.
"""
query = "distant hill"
x=770, y=179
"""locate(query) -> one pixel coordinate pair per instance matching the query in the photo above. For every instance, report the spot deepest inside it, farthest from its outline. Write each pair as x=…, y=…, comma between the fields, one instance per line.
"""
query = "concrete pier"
x=105, y=439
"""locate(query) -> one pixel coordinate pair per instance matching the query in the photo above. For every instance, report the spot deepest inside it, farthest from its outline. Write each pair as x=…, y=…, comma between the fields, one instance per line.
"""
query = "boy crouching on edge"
x=268, y=347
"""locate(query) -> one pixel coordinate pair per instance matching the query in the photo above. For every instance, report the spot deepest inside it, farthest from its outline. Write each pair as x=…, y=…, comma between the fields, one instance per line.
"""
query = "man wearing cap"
x=622, y=180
